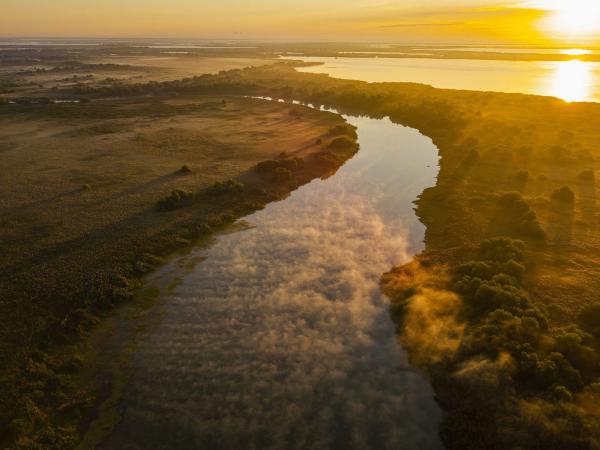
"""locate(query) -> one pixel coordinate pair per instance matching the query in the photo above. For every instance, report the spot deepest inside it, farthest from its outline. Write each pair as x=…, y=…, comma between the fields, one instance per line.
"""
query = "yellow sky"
x=418, y=21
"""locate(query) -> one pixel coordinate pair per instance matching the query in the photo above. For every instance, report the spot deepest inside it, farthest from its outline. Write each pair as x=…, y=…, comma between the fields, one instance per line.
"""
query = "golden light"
x=571, y=81
x=570, y=18
x=575, y=52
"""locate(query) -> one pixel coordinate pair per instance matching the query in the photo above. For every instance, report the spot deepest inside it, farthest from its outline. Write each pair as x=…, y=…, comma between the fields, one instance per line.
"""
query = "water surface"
x=280, y=338
x=573, y=80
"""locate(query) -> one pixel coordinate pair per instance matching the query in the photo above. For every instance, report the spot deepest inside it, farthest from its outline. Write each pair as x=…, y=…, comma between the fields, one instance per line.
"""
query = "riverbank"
x=119, y=185
x=508, y=327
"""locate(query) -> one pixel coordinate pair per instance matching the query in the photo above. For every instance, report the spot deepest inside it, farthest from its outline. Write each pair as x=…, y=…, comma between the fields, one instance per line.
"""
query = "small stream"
x=279, y=338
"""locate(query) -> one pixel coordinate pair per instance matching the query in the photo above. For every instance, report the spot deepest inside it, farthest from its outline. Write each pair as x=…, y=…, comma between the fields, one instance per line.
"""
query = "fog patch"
x=431, y=326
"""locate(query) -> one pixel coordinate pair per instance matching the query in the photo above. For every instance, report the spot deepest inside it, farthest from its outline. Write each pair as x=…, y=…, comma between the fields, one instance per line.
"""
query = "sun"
x=571, y=18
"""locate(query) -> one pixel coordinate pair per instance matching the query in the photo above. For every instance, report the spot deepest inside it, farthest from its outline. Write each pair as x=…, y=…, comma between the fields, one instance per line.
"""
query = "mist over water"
x=280, y=338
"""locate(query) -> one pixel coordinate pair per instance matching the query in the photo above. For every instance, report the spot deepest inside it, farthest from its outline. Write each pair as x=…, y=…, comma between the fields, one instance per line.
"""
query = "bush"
x=271, y=164
x=563, y=195
x=177, y=199
x=514, y=217
x=226, y=187
x=281, y=174
x=502, y=249
x=185, y=170
x=341, y=143
x=589, y=319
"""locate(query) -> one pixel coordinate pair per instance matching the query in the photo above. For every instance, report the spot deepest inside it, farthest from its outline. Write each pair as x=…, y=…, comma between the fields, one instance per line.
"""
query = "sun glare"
x=571, y=81
x=572, y=18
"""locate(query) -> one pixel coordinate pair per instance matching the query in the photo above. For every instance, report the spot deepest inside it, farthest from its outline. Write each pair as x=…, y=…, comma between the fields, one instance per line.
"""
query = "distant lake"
x=569, y=80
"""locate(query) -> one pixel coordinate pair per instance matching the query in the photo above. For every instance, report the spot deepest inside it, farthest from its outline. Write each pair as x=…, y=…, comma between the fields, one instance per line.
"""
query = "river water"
x=280, y=337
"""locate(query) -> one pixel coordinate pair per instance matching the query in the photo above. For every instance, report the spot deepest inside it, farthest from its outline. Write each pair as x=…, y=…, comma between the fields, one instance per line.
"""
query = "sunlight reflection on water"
x=572, y=80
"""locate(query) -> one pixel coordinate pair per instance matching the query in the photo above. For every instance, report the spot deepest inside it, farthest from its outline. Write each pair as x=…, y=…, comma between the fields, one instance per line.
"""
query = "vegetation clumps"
x=281, y=175
x=226, y=187
x=563, y=195
x=589, y=319
x=148, y=263
x=86, y=187
x=514, y=217
x=511, y=363
x=278, y=171
x=177, y=199
x=341, y=143
x=185, y=170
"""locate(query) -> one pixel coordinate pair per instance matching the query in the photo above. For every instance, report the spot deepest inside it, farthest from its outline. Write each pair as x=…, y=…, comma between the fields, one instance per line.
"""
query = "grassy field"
x=501, y=310
x=96, y=193
x=45, y=72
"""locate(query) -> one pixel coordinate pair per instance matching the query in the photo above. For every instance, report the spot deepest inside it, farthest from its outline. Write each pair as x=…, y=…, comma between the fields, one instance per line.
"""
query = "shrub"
x=272, y=167
x=502, y=249
x=281, y=174
x=177, y=199
x=515, y=218
x=86, y=187
x=148, y=263
x=185, y=170
x=589, y=319
x=341, y=143
x=226, y=187
x=563, y=195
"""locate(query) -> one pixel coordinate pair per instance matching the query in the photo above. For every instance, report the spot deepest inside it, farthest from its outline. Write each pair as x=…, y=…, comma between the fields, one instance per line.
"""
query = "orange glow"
x=465, y=21
x=569, y=19
x=572, y=81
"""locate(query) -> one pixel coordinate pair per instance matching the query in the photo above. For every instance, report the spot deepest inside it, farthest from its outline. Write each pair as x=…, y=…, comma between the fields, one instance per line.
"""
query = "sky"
x=468, y=21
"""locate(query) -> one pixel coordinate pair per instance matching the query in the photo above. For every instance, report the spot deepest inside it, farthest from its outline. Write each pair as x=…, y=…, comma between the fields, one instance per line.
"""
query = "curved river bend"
x=280, y=338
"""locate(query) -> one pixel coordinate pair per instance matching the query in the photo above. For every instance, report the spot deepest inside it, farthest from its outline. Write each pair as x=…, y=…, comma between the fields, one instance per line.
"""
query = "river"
x=279, y=337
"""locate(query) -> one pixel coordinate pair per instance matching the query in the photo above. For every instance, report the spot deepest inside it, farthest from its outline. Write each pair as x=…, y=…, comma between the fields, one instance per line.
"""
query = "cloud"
x=422, y=25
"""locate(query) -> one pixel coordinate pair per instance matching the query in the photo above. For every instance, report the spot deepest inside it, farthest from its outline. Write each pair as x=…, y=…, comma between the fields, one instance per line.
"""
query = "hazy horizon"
x=465, y=21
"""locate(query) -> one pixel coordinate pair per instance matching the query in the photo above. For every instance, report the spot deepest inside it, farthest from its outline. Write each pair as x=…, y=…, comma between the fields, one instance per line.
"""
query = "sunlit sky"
x=476, y=21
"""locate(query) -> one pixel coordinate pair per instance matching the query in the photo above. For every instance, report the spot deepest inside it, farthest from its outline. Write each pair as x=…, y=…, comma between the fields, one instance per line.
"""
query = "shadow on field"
x=139, y=188
x=587, y=201
x=560, y=224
